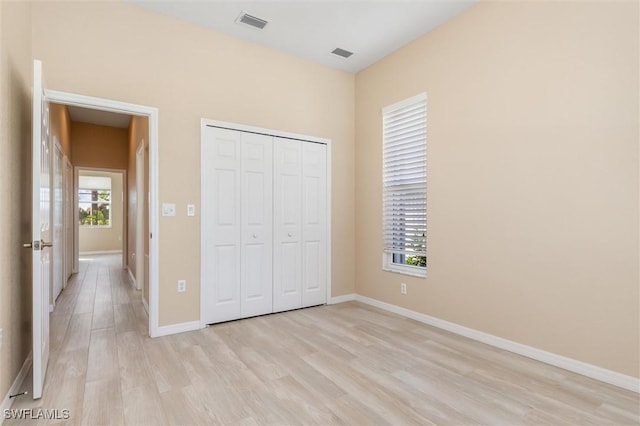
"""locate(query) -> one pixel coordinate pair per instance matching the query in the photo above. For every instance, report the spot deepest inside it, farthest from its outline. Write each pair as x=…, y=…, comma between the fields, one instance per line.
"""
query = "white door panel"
x=257, y=230
x=41, y=231
x=314, y=224
x=264, y=224
x=221, y=224
x=287, y=271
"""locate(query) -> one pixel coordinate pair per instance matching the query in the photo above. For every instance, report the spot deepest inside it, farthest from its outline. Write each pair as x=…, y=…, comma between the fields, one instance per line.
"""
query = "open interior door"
x=41, y=233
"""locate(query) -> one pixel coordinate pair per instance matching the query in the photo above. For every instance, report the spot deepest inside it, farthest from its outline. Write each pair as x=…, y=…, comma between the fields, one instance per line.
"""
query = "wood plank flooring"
x=340, y=364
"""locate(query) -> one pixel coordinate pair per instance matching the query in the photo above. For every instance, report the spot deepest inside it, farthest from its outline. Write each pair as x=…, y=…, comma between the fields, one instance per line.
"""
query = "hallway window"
x=94, y=201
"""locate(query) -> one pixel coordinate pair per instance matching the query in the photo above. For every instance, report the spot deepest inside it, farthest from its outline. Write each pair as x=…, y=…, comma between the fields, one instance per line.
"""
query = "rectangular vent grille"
x=247, y=19
x=342, y=52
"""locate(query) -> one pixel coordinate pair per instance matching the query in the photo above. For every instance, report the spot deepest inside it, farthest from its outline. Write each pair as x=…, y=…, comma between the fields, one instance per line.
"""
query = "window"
x=405, y=186
x=94, y=201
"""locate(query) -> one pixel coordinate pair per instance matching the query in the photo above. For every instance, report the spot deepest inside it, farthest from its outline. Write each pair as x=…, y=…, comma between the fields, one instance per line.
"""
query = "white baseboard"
x=178, y=328
x=15, y=387
x=341, y=299
x=145, y=304
x=133, y=279
x=91, y=253
x=583, y=368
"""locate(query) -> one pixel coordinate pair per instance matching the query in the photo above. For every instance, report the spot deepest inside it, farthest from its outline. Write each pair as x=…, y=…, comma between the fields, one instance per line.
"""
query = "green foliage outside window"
x=416, y=260
x=96, y=211
x=416, y=243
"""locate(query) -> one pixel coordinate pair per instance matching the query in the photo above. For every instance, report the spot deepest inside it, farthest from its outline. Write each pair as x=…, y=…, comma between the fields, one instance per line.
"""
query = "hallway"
x=98, y=329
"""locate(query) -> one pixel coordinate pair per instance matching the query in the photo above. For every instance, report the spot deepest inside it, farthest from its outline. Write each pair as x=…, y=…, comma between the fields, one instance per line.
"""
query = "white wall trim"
x=341, y=299
x=134, y=283
x=15, y=387
x=583, y=368
x=166, y=330
x=154, y=173
x=329, y=222
x=97, y=252
x=203, y=304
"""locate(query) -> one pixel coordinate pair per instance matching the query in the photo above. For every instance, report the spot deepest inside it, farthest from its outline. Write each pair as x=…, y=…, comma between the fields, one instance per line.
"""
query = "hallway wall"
x=99, y=146
x=60, y=127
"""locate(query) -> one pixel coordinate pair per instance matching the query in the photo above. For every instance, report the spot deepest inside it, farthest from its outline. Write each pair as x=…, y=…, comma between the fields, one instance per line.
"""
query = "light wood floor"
x=340, y=364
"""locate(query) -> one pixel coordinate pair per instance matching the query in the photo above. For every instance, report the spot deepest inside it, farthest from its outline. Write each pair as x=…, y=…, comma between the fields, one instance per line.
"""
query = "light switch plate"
x=168, y=209
x=191, y=209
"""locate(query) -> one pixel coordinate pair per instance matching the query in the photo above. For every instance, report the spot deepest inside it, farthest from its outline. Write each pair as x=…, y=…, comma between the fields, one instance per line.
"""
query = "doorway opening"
x=113, y=187
x=101, y=212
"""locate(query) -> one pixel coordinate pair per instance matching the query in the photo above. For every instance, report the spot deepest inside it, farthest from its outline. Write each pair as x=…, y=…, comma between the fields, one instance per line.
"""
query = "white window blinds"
x=405, y=176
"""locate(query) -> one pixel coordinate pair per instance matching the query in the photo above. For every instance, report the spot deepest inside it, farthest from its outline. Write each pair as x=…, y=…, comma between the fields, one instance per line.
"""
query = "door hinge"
x=34, y=245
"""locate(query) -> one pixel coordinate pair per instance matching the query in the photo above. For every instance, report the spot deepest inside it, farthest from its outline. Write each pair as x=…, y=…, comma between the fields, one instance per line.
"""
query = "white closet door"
x=257, y=225
x=287, y=271
x=314, y=224
x=221, y=218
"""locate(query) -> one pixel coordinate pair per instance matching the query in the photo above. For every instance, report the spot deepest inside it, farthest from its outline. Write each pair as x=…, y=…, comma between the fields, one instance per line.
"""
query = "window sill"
x=407, y=270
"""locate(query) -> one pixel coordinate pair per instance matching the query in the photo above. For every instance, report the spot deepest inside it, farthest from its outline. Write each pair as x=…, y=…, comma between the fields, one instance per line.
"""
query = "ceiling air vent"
x=342, y=52
x=245, y=18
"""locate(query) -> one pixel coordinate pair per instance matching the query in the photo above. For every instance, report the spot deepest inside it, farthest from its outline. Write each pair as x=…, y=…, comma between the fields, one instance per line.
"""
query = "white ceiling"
x=103, y=118
x=311, y=29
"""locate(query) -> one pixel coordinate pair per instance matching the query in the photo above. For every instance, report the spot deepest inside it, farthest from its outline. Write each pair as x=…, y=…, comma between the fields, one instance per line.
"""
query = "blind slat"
x=404, y=179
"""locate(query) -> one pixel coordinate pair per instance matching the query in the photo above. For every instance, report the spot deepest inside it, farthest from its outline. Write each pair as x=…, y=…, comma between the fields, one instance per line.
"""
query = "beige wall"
x=532, y=176
x=60, y=127
x=98, y=146
x=134, y=55
x=15, y=188
x=105, y=239
x=138, y=134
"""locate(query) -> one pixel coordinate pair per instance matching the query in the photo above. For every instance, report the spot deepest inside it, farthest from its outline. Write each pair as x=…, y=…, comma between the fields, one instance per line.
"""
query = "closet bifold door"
x=314, y=224
x=221, y=224
x=257, y=225
x=287, y=224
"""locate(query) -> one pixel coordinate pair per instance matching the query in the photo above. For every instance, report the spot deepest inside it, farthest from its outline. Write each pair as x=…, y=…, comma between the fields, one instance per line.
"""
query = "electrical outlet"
x=182, y=286
x=403, y=288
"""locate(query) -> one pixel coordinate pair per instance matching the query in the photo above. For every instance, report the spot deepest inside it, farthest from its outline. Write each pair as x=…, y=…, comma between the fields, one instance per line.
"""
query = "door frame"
x=68, y=217
x=76, y=214
x=139, y=219
x=151, y=113
x=204, y=122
